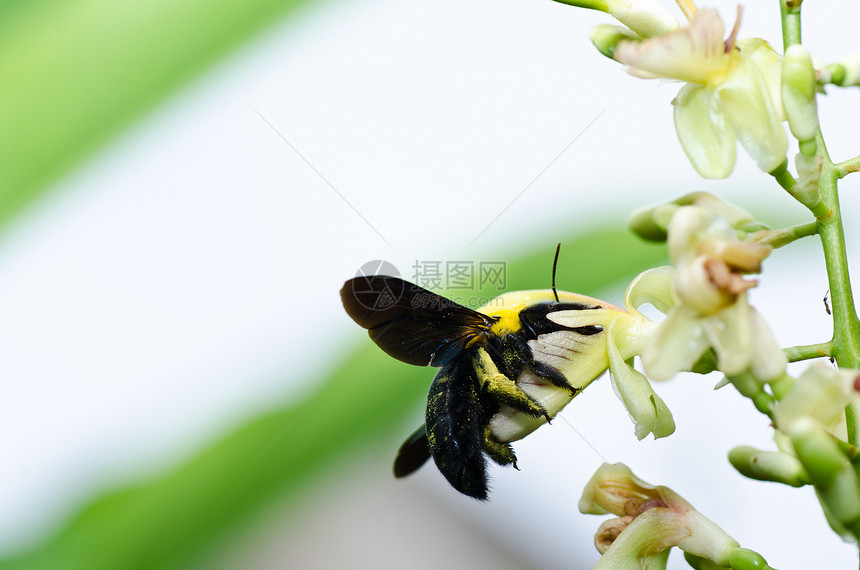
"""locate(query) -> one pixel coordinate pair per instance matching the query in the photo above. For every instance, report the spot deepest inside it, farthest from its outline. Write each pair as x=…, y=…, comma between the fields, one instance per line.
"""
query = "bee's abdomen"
x=454, y=428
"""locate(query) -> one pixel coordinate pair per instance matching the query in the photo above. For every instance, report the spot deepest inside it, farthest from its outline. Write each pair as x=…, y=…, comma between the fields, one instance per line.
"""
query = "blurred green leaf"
x=172, y=521
x=74, y=73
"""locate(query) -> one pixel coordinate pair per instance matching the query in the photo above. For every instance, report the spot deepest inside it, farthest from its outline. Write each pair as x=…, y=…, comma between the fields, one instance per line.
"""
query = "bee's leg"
x=552, y=375
x=503, y=388
x=517, y=355
x=501, y=453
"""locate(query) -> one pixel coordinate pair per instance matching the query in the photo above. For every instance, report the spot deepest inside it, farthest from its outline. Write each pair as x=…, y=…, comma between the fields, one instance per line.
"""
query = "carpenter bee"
x=504, y=369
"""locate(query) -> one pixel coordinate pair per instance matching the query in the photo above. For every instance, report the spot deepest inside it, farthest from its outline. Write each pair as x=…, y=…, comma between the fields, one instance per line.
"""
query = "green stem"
x=800, y=193
x=847, y=167
x=749, y=386
x=846, y=327
x=805, y=352
x=851, y=425
x=781, y=386
x=790, y=12
x=779, y=238
x=783, y=176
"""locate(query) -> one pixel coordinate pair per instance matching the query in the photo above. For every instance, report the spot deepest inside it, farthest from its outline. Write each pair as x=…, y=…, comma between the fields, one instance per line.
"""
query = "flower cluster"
x=711, y=264
x=714, y=246
x=733, y=90
x=811, y=422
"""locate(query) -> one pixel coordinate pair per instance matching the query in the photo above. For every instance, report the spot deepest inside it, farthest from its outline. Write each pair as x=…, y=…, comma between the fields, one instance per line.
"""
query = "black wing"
x=411, y=323
x=414, y=452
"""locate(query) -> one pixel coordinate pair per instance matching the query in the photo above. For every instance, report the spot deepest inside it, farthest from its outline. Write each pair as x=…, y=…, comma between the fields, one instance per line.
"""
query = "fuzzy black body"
x=454, y=421
x=481, y=356
x=460, y=404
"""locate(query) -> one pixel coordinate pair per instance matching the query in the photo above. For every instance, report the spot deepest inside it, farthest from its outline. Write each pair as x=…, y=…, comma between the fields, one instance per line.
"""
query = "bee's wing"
x=414, y=452
x=410, y=323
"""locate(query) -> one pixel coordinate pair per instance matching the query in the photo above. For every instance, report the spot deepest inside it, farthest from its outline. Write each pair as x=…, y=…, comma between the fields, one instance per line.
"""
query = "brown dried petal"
x=609, y=531
x=742, y=257
x=722, y=277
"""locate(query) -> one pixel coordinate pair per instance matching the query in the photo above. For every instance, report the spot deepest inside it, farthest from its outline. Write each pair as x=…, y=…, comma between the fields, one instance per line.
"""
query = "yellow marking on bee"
x=507, y=307
x=502, y=387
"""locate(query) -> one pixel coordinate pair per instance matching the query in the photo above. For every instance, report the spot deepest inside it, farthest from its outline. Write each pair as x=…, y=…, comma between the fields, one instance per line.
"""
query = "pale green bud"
x=821, y=393
x=647, y=18
x=833, y=73
x=602, y=5
x=830, y=471
x=746, y=559
x=773, y=466
x=798, y=93
x=738, y=559
x=606, y=37
x=651, y=222
x=849, y=70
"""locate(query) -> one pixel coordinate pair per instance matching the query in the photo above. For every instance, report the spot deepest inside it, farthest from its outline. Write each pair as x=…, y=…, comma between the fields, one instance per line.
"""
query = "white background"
x=187, y=276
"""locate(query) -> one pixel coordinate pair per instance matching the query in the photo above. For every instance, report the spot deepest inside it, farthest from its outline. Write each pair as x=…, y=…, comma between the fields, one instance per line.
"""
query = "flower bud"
x=773, y=466
x=833, y=73
x=820, y=393
x=832, y=474
x=645, y=17
x=606, y=37
x=848, y=71
x=651, y=222
x=798, y=93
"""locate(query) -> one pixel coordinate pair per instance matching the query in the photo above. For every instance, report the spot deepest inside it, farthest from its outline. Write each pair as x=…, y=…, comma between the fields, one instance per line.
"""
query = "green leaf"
x=73, y=74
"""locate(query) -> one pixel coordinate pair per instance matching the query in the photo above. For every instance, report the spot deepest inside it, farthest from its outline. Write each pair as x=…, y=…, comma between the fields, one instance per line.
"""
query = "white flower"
x=652, y=519
x=710, y=264
x=731, y=95
x=627, y=332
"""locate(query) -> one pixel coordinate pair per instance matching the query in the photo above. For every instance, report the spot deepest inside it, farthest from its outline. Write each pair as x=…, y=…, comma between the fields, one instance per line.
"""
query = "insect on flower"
x=504, y=369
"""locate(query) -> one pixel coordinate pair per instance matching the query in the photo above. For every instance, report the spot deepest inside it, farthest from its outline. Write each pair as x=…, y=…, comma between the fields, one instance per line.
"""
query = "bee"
x=504, y=369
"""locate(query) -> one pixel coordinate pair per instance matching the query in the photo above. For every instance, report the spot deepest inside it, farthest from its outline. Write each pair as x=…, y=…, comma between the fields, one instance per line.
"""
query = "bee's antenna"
x=554, y=266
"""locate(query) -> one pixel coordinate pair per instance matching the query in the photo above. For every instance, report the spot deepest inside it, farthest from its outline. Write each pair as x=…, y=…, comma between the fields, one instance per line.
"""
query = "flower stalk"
x=790, y=12
x=847, y=167
x=808, y=351
x=846, y=326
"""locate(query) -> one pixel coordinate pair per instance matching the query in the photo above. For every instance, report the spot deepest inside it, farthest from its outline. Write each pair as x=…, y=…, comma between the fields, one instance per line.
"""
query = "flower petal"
x=769, y=359
x=615, y=489
x=695, y=53
x=730, y=332
x=647, y=410
x=652, y=286
x=706, y=137
x=646, y=541
x=676, y=346
x=756, y=118
x=769, y=65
